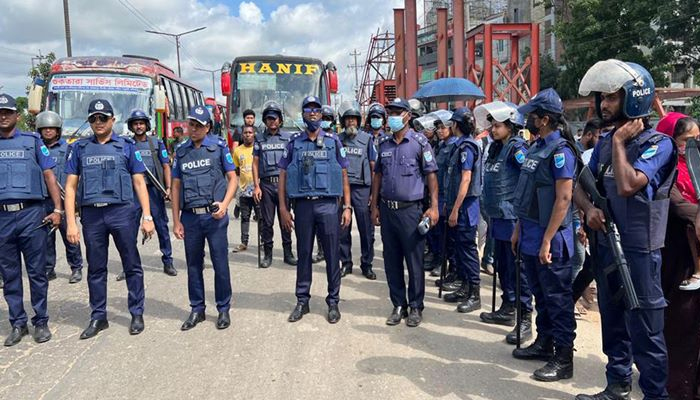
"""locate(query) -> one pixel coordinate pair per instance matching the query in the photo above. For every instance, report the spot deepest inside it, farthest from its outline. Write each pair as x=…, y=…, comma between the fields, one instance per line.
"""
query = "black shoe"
x=96, y=325
x=614, y=391
x=223, y=321
x=396, y=315
x=121, y=276
x=333, y=314
x=561, y=366
x=267, y=258
x=169, y=270
x=346, y=269
x=193, y=320
x=415, y=317
x=428, y=261
x=50, y=274
x=42, y=334
x=436, y=271
x=450, y=277
x=525, y=331
x=75, y=276
x=503, y=316
x=473, y=303
x=16, y=335
x=541, y=349
x=318, y=257
x=137, y=326
x=459, y=295
x=289, y=258
x=298, y=313
x=369, y=274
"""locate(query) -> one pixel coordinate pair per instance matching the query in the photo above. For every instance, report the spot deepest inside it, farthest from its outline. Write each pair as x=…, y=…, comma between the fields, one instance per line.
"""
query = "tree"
x=42, y=71
x=694, y=108
x=549, y=72
x=23, y=114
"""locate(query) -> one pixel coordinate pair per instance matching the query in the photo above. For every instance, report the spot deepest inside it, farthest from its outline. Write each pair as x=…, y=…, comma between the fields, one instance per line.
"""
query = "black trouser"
x=246, y=204
x=268, y=206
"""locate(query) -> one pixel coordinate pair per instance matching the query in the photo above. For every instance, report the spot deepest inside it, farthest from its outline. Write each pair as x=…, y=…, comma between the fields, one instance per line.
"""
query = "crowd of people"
x=497, y=189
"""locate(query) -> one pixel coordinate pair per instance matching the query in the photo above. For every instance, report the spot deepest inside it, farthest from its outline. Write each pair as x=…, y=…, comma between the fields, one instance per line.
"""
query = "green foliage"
x=694, y=109
x=23, y=114
x=549, y=72
x=40, y=70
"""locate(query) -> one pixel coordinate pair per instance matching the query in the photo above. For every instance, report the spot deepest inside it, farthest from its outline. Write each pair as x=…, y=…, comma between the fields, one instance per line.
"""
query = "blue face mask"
x=325, y=124
x=376, y=123
x=396, y=123
x=312, y=126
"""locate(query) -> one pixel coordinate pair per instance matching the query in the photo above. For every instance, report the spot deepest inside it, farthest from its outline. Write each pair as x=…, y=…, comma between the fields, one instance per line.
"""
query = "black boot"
x=560, y=366
x=541, y=349
x=267, y=258
x=503, y=316
x=473, y=302
x=525, y=330
x=459, y=295
x=346, y=269
x=289, y=256
x=450, y=276
x=614, y=391
x=428, y=261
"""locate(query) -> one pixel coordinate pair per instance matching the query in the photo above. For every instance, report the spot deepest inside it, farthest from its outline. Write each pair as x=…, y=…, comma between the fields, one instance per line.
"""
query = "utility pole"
x=38, y=58
x=66, y=22
x=213, y=79
x=177, y=42
x=355, y=53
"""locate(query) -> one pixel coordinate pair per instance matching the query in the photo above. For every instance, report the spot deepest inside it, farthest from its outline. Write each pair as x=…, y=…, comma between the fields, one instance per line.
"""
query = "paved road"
x=451, y=355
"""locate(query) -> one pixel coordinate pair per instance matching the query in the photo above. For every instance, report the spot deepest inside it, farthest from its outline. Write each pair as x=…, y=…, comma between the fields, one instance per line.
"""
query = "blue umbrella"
x=449, y=89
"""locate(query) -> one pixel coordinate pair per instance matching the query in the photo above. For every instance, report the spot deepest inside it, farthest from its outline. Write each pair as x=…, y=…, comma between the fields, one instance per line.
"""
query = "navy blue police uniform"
x=23, y=158
x=58, y=152
x=105, y=196
x=360, y=151
x=202, y=171
x=314, y=183
x=437, y=233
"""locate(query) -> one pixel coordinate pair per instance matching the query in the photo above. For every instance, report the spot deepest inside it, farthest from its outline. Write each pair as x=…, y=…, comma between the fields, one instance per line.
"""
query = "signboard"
x=100, y=83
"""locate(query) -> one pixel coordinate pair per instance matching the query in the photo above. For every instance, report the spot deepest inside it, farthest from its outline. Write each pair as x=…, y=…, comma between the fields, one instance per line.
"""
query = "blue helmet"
x=609, y=76
x=376, y=110
x=138, y=115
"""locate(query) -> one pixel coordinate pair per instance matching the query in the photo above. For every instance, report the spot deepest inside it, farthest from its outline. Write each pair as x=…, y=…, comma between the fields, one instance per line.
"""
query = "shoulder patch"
x=45, y=150
x=559, y=160
x=229, y=158
x=463, y=158
x=427, y=156
x=650, y=152
x=164, y=153
x=343, y=152
x=138, y=155
x=520, y=156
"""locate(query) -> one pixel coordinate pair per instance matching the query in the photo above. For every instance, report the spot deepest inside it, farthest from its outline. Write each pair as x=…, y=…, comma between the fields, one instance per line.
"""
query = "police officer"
x=327, y=125
x=49, y=124
x=462, y=191
x=362, y=155
x=501, y=172
x=544, y=235
x=404, y=166
x=26, y=179
x=635, y=166
x=110, y=171
x=155, y=158
x=267, y=151
x=376, y=114
x=313, y=173
x=201, y=196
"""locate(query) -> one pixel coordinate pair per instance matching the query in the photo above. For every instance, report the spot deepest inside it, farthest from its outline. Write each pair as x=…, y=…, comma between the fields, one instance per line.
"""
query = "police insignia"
x=229, y=159
x=285, y=153
x=138, y=156
x=343, y=152
x=559, y=160
x=99, y=106
x=520, y=156
x=650, y=152
x=44, y=150
x=164, y=153
x=428, y=156
x=464, y=156
x=199, y=111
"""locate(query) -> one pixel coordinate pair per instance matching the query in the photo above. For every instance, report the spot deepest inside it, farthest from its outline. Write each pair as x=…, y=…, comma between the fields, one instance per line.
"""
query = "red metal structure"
x=378, y=82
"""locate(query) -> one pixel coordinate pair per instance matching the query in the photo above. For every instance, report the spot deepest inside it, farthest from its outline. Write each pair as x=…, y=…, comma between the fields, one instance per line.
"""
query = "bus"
x=127, y=82
x=251, y=81
x=219, y=118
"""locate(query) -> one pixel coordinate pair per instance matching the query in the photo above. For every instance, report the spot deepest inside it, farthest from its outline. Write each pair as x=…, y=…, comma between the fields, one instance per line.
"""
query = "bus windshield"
x=70, y=95
x=255, y=87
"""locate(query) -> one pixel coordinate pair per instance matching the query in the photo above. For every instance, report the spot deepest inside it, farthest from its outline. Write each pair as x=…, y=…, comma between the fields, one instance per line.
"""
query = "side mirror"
x=226, y=79
x=160, y=97
x=36, y=93
x=332, y=77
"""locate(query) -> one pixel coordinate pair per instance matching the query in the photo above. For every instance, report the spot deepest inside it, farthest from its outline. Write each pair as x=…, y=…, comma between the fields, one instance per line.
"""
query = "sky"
x=328, y=30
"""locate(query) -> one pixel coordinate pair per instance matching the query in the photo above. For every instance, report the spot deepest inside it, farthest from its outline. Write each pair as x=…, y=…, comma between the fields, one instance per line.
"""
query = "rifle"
x=156, y=183
x=692, y=155
x=443, y=266
x=612, y=235
x=257, y=213
x=62, y=190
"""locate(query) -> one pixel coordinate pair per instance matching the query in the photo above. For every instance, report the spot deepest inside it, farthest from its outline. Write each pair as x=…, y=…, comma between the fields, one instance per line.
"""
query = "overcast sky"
x=327, y=30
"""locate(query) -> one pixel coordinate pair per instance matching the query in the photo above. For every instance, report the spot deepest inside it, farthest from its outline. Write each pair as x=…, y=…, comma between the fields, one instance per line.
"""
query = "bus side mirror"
x=226, y=79
x=161, y=100
x=36, y=93
x=332, y=77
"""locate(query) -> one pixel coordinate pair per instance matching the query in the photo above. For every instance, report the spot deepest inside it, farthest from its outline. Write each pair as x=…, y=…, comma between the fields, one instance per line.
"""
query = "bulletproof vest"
x=58, y=154
x=149, y=153
x=313, y=170
x=536, y=191
x=442, y=157
x=104, y=176
x=356, y=150
x=500, y=177
x=202, y=175
x=21, y=177
x=453, y=177
x=640, y=221
x=271, y=152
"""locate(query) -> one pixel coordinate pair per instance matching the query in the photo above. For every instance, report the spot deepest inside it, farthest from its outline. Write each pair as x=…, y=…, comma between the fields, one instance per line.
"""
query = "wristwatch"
x=148, y=218
x=347, y=207
x=61, y=212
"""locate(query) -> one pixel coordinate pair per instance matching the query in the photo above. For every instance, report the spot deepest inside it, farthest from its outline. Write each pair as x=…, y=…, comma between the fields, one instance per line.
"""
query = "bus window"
x=184, y=106
x=190, y=97
x=169, y=95
x=175, y=112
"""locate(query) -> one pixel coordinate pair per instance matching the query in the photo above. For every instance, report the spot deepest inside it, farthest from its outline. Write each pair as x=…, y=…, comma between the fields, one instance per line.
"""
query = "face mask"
x=376, y=123
x=530, y=126
x=396, y=123
x=312, y=126
x=325, y=124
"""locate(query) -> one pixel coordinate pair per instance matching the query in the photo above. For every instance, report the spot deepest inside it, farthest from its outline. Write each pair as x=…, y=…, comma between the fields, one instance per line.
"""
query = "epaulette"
x=294, y=135
x=420, y=138
x=384, y=139
x=128, y=139
x=30, y=134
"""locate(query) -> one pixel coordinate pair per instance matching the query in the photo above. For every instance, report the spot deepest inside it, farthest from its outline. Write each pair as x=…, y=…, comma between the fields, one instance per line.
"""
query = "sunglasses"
x=312, y=110
x=98, y=117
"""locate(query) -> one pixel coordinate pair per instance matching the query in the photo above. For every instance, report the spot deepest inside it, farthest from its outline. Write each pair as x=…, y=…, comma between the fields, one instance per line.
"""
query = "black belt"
x=200, y=210
x=271, y=179
x=397, y=205
x=16, y=206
